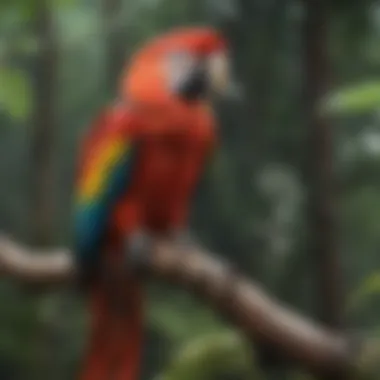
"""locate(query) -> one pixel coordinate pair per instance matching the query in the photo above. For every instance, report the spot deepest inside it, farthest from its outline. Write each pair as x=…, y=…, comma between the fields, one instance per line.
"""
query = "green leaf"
x=15, y=93
x=183, y=319
x=204, y=357
x=362, y=98
x=369, y=288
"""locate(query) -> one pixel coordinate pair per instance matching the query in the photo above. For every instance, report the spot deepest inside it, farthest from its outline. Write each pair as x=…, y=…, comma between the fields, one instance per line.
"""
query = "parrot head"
x=190, y=64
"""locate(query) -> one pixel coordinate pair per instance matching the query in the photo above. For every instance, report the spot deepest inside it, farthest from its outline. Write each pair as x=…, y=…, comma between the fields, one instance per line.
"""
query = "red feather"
x=175, y=142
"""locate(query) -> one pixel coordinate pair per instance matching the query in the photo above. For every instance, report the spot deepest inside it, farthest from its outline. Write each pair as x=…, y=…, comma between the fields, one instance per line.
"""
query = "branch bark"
x=243, y=302
x=46, y=268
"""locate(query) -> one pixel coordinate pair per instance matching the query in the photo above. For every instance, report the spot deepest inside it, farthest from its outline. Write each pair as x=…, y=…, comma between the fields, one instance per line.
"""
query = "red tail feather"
x=114, y=352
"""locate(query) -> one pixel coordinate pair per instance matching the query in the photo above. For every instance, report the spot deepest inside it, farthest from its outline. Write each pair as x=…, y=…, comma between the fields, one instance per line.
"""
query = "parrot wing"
x=105, y=174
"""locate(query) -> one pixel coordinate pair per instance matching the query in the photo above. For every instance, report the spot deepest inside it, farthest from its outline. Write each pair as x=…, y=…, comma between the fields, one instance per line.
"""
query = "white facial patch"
x=178, y=66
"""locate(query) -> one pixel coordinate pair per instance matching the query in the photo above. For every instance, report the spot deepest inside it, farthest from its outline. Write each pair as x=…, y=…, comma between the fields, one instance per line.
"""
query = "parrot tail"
x=114, y=351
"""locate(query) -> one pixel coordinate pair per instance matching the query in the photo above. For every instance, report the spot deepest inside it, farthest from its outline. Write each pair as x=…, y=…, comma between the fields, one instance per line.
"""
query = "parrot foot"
x=138, y=250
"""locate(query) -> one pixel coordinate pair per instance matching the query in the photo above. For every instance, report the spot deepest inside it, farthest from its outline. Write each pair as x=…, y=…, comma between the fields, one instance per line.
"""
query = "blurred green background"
x=60, y=62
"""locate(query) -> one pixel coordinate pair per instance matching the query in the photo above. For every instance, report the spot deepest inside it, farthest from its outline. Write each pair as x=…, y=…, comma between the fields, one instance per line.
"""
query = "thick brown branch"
x=246, y=305
x=239, y=299
x=52, y=267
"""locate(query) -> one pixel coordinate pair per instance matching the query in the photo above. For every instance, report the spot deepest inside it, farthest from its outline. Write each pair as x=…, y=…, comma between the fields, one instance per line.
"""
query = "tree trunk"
x=42, y=135
x=114, y=43
x=42, y=173
x=322, y=201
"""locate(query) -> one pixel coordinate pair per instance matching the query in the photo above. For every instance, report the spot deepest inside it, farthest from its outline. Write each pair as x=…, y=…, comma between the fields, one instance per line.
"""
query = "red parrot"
x=139, y=166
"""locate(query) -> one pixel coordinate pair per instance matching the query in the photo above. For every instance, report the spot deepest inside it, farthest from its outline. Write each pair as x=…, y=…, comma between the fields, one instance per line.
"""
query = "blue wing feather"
x=92, y=217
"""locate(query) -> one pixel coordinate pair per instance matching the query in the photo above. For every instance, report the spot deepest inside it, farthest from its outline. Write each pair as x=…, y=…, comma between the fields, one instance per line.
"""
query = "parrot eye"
x=178, y=66
x=179, y=63
x=187, y=75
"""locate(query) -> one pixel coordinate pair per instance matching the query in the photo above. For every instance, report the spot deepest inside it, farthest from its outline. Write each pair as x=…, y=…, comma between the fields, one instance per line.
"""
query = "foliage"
x=15, y=93
x=355, y=99
x=251, y=209
x=210, y=355
x=180, y=317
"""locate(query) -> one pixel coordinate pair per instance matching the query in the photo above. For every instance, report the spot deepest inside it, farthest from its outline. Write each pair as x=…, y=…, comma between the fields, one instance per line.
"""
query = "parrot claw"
x=138, y=250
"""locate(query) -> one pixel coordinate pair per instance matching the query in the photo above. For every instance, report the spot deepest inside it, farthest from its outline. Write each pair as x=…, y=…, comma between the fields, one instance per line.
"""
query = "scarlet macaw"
x=138, y=169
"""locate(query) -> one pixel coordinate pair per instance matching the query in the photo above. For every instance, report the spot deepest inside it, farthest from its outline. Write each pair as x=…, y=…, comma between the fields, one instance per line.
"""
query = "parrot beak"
x=223, y=85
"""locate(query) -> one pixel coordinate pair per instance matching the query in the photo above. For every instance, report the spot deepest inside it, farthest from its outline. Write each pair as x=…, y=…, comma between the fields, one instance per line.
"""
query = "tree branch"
x=235, y=297
x=53, y=267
